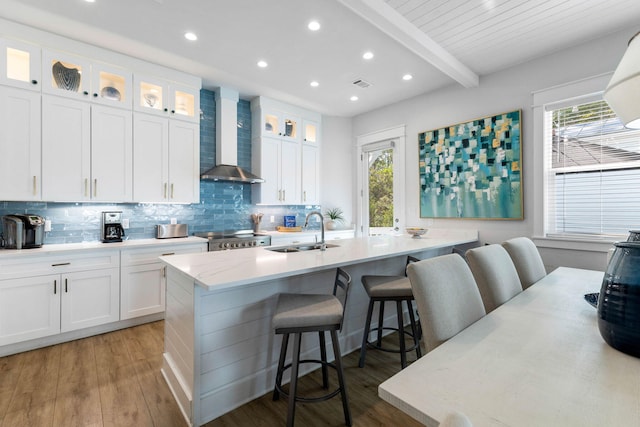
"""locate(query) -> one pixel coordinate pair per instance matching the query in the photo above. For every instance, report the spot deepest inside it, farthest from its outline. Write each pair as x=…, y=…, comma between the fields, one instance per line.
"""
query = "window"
x=592, y=170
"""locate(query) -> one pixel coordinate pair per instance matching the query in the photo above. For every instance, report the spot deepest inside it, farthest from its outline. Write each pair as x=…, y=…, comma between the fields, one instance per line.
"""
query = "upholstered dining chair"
x=447, y=297
x=495, y=275
x=527, y=260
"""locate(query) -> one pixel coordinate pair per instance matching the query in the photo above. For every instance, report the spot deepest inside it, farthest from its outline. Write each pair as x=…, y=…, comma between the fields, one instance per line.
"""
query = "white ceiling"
x=439, y=42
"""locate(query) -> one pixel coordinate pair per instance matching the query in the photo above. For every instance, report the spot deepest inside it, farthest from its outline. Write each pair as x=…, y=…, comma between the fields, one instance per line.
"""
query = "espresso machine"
x=111, y=227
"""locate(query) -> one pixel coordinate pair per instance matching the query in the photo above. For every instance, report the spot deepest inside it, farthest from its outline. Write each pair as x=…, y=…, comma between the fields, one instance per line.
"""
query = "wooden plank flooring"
x=114, y=380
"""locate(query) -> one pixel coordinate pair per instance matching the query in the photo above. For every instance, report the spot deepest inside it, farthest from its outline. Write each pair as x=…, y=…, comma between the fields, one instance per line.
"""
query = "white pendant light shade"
x=623, y=92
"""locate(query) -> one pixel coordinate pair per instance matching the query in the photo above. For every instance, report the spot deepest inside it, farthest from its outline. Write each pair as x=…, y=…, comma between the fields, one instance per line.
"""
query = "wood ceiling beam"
x=392, y=23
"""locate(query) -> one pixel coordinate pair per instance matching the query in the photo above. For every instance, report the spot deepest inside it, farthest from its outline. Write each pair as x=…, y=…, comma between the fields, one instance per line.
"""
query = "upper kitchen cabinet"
x=20, y=65
x=86, y=151
x=80, y=78
x=158, y=96
x=311, y=132
x=285, y=146
x=20, y=145
x=111, y=86
x=280, y=124
x=166, y=156
x=66, y=75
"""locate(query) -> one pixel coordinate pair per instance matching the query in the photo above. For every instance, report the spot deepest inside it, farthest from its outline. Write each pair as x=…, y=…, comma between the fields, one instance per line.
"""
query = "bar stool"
x=390, y=288
x=299, y=313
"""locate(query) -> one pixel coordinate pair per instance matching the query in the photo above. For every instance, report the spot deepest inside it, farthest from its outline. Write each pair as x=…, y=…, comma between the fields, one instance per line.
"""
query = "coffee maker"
x=111, y=227
x=23, y=231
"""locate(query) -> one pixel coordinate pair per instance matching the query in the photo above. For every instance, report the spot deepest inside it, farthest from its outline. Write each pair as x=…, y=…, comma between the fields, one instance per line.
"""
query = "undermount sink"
x=300, y=248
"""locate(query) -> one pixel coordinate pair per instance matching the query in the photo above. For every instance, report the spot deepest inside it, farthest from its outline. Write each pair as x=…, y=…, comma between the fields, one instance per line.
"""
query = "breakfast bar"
x=220, y=349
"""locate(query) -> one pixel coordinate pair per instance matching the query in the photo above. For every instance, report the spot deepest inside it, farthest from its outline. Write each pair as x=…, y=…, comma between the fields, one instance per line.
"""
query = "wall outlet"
x=272, y=219
x=125, y=223
x=174, y=221
x=47, y=225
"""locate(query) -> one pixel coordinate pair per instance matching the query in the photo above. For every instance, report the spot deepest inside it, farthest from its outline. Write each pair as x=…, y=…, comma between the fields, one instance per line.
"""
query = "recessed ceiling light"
x=367, y=55
x=354, y=98
x=90, y=1
x=190, y=36
x=407, y=77
x=314, y=25
x=262, y=64
x=314, y=84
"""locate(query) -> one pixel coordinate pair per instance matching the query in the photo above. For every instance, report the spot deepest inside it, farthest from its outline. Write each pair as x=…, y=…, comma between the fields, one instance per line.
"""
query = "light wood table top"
x=537, y=360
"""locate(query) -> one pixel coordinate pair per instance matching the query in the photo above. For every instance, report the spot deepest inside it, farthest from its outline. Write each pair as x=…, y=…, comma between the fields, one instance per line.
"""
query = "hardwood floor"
x=114, y=380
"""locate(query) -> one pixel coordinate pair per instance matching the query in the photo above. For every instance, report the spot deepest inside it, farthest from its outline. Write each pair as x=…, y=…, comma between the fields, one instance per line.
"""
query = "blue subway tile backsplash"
x=224, y=206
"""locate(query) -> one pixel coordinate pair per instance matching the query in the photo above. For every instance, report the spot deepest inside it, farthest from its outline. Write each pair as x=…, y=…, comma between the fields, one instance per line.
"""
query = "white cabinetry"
x=20, y=177
x=86, y=151
x=45, y=295
x=285, y=153
x=166, y=156
x=154, y=95
x=143, y=280
x=20, y=64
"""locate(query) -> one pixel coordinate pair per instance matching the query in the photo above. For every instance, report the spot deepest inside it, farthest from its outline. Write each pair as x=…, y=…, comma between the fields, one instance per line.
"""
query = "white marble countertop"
x=226, y=269
x=304, y=232
x=97, y=245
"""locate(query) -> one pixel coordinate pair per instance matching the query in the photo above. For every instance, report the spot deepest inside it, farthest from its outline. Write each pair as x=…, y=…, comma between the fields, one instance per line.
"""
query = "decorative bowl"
x=111, y=93
x=66, y=78
x=416, y=232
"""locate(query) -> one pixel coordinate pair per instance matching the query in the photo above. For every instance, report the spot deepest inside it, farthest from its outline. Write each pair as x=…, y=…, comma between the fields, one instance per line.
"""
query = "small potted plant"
x=335, y=217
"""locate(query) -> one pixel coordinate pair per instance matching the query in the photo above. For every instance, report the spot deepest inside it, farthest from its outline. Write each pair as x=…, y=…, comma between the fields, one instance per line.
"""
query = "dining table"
x=537, y=360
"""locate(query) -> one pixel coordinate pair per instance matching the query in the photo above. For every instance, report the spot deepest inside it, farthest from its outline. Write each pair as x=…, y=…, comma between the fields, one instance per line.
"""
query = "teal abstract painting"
x=472, y=169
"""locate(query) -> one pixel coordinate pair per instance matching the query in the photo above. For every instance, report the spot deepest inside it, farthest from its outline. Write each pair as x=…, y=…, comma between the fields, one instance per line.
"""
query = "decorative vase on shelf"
x=619, y=299
x=330, y=225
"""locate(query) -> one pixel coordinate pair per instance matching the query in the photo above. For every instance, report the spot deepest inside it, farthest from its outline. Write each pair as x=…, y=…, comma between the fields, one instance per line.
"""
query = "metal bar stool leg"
x=343, y=386
x=380, y=322
x=403, y=354
x=323, y=357
x=414, y=330
x=293, y=384
x=283, y=354
x=365, y=337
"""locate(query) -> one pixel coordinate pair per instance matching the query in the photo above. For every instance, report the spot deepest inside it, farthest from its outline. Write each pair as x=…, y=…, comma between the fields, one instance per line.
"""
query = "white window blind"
x=592, y=165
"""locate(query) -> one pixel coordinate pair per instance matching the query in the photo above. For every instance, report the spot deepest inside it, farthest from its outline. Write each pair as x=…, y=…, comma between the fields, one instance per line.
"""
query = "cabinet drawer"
x=39, y=265
x=150, y=255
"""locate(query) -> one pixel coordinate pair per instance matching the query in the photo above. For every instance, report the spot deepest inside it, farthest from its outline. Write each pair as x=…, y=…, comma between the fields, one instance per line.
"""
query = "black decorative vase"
x=619, y=300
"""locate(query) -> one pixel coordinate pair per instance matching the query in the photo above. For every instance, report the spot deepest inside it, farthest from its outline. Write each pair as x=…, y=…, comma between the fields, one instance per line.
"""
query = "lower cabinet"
x=89, y=298
x=43, y=295
x=143, y=281
x=40, y=306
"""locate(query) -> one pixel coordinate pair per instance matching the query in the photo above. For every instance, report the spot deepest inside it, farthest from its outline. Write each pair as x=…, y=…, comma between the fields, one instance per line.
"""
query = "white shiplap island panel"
x=220, y=349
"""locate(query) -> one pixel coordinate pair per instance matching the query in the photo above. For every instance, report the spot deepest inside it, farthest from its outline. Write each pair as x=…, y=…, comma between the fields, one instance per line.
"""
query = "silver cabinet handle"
x=165, y=190
x=60, y=263
x=95, y=187
x=55, y=286
x=66, y=288
x=34, y=185
x=172, y=191
x=86, y=187
x=284, y=195
x=304, y=196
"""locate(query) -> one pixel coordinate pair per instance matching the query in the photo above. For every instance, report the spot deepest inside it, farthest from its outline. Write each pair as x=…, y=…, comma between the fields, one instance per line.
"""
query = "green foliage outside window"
x=381, y=190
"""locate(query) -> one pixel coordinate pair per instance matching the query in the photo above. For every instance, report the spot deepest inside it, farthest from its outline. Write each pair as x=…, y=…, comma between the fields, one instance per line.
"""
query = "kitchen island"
x=220, y=349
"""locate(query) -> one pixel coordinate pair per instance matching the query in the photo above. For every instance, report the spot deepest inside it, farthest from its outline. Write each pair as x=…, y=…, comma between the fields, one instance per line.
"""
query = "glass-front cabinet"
x=66, y=75
x=79, y=78
x=311, y=132
x=282, y=125
x=158, y=96
x=111, y=85
x=20, y=64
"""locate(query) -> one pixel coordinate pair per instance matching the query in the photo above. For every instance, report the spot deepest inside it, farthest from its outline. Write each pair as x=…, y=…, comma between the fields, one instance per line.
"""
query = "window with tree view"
x=592, y=166
x=381, y=188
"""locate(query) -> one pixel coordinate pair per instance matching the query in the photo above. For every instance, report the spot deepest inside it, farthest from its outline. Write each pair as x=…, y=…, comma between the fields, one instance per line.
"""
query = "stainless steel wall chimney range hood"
x=226, y=168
